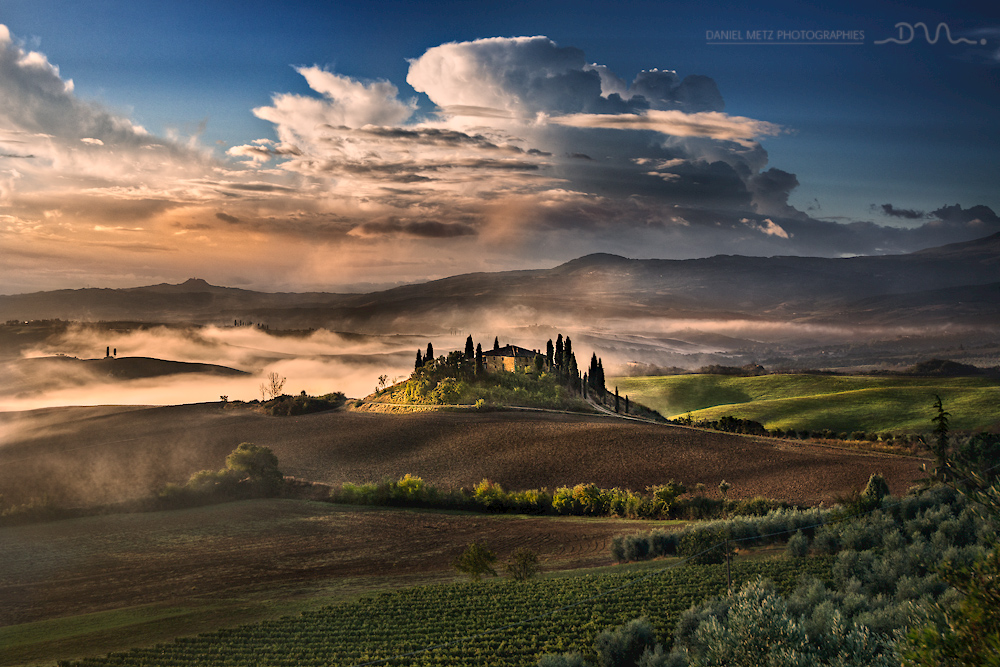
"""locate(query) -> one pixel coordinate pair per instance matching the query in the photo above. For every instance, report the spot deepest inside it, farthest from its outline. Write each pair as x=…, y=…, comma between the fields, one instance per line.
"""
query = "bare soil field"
x=89, y=456
x=101, y=583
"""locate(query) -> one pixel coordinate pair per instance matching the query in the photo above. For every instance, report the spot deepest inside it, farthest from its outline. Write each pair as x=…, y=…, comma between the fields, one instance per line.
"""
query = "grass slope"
x=817, y=402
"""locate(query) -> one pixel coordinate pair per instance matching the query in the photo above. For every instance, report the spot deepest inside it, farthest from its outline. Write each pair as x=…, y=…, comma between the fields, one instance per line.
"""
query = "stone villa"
x=510, y=358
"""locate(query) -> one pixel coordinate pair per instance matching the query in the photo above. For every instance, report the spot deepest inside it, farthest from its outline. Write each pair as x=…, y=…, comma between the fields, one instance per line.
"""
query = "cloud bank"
x=530, y=156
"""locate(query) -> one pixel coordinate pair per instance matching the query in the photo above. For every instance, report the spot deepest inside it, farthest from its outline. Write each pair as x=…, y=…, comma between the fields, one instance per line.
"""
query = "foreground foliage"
x=888, y=577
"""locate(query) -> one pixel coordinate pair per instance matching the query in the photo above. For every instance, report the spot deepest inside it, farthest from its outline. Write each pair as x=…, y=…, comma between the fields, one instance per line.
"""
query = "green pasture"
x=818, y=402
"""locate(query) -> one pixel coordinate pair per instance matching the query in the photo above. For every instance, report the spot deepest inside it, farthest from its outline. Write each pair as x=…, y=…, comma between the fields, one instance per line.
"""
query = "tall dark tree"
x=602, y=388
x=567, y=351
x=573, y=373
x=593, y=371
x=559, y=355
x=617, y=401
x=479, y=359
x=940, y=446
x=430, y=353
x=549, y=352
x=626, y=403
x=469, y=348
x=419, y=362
x=586, y=384
x=496, y=343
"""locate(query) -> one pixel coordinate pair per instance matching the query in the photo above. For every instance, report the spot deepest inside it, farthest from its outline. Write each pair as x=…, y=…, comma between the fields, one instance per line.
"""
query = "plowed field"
x=83, y=456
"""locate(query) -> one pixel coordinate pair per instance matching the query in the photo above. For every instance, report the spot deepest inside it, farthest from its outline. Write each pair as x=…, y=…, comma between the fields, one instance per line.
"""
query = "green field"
x=494, y=623
x=817, y=402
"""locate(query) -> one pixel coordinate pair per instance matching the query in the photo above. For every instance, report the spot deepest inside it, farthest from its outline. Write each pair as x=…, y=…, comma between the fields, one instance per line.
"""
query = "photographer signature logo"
x=906, y=38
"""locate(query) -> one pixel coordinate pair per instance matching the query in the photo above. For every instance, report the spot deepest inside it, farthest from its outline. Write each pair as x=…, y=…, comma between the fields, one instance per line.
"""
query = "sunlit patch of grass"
x=816, y=402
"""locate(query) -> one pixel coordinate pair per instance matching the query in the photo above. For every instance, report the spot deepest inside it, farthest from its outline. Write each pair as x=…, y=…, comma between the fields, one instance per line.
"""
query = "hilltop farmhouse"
x=510, y=358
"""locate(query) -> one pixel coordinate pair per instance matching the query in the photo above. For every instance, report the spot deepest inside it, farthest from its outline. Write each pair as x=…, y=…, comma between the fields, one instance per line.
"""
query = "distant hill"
x=958, y=283
x=42, y=373
x=899, y=403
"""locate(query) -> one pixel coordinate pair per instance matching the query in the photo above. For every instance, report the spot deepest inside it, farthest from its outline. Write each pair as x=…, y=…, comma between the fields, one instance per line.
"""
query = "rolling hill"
x=93, y=456
x=897, y=404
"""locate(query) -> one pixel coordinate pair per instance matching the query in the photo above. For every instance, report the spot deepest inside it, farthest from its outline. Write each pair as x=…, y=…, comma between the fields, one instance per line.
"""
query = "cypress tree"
x=940, y=446
x=420, y=361
x=479, y=359
x=430, y=353
x=549, y=351
x=567, y=350
x=469, y=349
x=616, y=400
x=626, y=403
x=586, y=382
x=601, y=387
x=573, y=372
x=559, y=354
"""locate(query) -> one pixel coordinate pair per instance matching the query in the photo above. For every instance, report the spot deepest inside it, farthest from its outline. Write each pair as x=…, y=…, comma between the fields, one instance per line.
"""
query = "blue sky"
x=838, y=132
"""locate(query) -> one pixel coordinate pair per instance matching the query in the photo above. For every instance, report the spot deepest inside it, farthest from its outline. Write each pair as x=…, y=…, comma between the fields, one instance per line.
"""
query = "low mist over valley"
x=640, y=316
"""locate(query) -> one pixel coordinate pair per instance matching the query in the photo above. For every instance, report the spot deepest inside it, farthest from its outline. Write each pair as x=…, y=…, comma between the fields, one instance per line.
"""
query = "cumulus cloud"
x=767, y=227
x=346, y=103
x=531, y=154
x=710, y=124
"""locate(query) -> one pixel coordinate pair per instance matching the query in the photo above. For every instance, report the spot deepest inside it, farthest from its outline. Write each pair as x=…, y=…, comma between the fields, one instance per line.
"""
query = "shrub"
x=522, y=565
x=476, y=561
x=704, y=547
x=798, y=546
x=757, y=628
x=288, y=406
x=251, y=471
x=624, y=646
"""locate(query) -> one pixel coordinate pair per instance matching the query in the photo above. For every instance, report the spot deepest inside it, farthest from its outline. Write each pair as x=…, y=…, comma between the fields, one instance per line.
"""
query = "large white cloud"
x=531, y=156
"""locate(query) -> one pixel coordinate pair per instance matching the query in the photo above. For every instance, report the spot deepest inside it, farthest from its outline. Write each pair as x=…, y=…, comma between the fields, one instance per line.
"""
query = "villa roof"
x=511, y=351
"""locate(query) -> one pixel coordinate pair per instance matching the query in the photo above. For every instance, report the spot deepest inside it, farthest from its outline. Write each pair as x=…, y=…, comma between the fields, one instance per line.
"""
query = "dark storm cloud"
x=972, y=216
x=907, y=213
x=429, y=229
x=771, y=189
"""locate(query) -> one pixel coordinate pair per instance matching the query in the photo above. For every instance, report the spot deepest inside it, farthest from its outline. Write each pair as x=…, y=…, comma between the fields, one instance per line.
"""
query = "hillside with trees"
x=552, y=380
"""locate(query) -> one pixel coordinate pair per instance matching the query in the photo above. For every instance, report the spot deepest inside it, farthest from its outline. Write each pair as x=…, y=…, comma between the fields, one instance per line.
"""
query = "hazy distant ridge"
x=952, y=283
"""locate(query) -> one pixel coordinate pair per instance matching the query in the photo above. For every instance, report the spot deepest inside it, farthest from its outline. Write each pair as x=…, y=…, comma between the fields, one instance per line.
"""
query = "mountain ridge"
x=599, y=285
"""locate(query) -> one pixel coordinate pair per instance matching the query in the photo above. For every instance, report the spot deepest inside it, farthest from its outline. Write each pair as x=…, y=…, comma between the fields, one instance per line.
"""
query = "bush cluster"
x=290, y=406
x=251, y=472
x=885, y=578
x=659, y=502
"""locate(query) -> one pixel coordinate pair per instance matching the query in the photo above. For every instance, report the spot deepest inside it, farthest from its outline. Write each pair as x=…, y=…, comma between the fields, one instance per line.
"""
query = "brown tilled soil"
x=84, y=456
x=262, y=548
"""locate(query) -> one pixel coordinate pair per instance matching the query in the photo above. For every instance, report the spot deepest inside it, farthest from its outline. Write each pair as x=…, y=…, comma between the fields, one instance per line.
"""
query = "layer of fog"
x=324, y=361
x=318, y=363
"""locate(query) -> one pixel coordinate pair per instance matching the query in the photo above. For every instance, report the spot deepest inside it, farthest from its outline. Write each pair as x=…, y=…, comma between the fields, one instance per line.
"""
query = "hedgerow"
x=658, y=502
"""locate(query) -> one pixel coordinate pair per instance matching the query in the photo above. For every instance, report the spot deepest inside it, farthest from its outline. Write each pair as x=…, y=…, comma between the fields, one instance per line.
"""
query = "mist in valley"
x=322, y=361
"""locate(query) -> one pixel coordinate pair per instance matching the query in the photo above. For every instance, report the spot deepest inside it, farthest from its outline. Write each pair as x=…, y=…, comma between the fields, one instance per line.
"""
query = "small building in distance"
x=510, y=358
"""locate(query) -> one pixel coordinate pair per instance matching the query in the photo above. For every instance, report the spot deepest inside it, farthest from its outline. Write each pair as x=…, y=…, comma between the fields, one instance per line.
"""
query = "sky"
x=350, y=146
